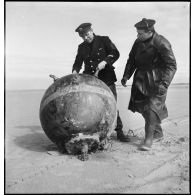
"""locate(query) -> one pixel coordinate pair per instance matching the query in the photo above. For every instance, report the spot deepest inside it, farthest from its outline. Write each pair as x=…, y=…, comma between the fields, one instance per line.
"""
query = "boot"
x=121, y=137
x=149, y=132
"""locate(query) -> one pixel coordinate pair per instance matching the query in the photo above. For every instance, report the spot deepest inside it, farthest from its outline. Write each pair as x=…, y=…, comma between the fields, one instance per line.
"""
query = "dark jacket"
x=93, y=53
x=154, y=65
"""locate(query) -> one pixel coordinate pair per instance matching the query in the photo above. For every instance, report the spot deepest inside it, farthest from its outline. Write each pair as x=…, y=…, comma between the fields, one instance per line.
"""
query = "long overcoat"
x=91, y=54
x=154, y=65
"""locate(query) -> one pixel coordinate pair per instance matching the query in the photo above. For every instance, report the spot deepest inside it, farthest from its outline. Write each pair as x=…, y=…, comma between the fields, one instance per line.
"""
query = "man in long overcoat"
x=98, y=54
x=152, y=61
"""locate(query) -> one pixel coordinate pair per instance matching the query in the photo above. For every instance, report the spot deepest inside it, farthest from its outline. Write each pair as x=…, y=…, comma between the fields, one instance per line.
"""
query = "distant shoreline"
x=173, y=84
x=118, y=86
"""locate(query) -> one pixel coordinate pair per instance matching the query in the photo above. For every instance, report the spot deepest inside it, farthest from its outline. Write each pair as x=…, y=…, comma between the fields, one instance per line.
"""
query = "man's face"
x=88, y=36
x=142, y=35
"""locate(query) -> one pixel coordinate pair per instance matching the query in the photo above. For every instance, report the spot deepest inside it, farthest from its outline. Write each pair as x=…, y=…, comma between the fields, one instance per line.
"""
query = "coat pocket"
x=140, y=82
x=152, y=80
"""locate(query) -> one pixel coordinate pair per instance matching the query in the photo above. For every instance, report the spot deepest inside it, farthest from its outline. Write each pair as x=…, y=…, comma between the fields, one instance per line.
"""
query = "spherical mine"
x=78, y=108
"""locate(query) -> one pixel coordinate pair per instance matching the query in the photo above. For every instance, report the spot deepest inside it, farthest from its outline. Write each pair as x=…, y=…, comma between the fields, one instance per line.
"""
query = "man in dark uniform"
x=154, y=64
x=98, y=54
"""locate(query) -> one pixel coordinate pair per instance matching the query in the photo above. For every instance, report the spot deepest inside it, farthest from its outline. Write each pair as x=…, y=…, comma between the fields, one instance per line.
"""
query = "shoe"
x=121, y=137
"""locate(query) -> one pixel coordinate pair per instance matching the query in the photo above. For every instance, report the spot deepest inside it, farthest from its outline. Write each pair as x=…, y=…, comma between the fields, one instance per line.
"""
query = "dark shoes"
x=121, y=137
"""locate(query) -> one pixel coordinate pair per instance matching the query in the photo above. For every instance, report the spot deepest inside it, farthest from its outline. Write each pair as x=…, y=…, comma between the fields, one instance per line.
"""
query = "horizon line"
x=118, y=85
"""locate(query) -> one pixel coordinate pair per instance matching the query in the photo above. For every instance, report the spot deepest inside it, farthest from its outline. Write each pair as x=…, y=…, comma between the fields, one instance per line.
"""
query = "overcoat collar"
x=145, y=45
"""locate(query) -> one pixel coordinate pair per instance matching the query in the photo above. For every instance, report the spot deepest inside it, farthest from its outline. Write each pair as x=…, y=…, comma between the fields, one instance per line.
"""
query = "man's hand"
x=123, y=82
x=101, y=65
x=96, y=72
x=74, y=72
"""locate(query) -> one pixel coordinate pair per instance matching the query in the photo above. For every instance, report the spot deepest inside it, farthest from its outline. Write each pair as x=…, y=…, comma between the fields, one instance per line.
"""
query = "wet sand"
x=30, y=168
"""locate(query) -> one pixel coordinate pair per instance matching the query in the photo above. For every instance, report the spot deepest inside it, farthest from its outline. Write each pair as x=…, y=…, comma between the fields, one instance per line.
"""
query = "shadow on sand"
x=39, y=142
x=35, y=141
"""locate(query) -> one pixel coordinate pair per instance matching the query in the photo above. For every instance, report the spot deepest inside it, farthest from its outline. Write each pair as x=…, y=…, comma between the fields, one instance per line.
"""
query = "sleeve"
x=78, y=61
x=168, y=58
x=113, y=53
x=130, y=65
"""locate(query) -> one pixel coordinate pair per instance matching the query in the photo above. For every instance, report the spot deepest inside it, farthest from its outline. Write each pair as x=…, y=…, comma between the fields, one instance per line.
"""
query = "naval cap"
x=84, y=27
x=145, y=24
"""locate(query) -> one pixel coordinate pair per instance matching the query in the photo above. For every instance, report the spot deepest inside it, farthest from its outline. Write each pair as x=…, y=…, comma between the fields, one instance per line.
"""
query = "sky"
x=40, y=37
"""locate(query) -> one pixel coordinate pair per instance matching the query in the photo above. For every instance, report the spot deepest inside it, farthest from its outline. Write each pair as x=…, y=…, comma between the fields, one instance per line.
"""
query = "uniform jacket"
x=154, y=65
x=101, y=49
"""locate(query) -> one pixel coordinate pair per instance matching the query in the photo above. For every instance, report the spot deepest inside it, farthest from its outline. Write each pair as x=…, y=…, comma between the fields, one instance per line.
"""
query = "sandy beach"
x=33, y=164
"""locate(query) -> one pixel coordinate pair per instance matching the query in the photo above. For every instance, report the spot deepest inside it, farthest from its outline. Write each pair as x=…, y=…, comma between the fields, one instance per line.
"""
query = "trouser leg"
x=151, y=122
x=158, y=128
x=119, y=125
x=158, y=133
x=149, y=132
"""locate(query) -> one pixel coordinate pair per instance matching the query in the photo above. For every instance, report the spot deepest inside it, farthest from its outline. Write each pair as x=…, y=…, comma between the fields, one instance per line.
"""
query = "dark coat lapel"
x=86, y=50
x=95, y=46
